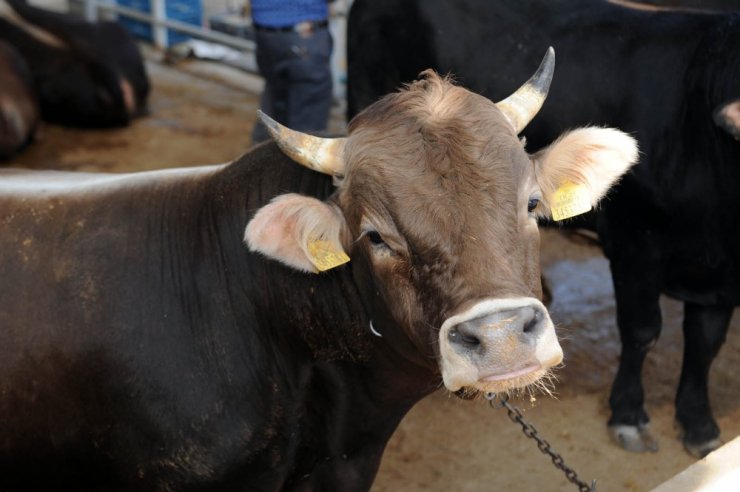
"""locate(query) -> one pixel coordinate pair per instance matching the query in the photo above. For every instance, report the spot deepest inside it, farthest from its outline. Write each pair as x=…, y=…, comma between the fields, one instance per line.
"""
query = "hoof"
x=634, y=438
x=702, y=449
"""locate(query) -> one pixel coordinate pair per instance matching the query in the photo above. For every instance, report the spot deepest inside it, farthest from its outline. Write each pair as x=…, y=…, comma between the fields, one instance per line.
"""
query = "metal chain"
x=529, y=430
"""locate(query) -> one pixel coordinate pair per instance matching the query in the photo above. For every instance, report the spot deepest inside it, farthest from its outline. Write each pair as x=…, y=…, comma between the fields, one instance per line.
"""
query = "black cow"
x=144, y=347
x=86, y=74
x=668, y=78
x=19, y=112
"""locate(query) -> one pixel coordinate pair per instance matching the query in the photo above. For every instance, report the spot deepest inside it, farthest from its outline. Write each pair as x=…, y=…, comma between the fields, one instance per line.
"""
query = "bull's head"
x=437, y=204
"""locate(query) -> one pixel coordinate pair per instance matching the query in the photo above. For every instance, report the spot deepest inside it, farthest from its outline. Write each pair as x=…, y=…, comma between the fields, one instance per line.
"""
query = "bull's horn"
x=523, y=105
x=320, y=154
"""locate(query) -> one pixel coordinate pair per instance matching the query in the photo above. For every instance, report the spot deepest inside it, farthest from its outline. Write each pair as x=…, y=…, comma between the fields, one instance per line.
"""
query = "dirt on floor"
x=444, y=443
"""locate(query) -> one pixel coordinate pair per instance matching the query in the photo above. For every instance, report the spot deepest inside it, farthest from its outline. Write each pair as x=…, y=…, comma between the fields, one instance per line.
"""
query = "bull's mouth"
x=503, y=382
x=530, y=376
x=533, y=375
x=513, y=374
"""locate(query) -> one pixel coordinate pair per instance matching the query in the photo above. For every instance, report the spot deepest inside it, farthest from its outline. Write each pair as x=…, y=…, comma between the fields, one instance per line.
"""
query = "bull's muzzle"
x=498, y=345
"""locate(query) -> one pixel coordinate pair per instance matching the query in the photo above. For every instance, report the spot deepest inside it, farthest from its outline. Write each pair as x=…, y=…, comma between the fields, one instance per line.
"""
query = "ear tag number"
x=570, y=200
x=325, y=256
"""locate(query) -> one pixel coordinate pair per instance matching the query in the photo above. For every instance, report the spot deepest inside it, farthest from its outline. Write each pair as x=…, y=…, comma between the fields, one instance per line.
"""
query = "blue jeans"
x=298, y=81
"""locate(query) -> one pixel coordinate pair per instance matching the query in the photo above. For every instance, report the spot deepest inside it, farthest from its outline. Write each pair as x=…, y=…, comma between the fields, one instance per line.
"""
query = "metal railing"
x=160, y=23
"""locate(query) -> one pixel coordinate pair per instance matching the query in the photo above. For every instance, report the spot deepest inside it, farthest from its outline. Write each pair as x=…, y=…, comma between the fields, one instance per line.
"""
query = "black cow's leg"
x=639, y=321
x=704, y=329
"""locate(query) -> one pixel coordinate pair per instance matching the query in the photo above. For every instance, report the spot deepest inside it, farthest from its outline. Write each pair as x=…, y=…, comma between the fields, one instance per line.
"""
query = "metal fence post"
x=91, y=10
x=160, y=31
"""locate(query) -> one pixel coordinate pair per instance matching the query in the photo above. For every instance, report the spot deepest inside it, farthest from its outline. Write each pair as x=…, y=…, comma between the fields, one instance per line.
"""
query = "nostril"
x=531, y=325
x=458, y=335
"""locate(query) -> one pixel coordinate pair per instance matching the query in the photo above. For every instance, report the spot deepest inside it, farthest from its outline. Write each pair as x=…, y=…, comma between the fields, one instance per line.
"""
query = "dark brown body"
x=145, y=347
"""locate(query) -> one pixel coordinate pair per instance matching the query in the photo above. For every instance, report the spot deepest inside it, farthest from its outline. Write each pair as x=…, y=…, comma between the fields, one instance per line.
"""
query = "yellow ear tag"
x=570, y=200
x=325, y=256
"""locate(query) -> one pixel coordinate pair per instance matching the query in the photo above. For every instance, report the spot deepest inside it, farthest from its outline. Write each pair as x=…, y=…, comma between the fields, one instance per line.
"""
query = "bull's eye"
x=378, y=245
x=532, y=204
x=375, y=238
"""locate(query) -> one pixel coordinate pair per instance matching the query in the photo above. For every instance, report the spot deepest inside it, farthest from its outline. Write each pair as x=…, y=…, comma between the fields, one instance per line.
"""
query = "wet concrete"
x=446, y=444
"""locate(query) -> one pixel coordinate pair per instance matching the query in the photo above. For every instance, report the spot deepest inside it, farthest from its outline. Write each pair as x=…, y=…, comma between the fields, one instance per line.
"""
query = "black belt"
x=300, y=27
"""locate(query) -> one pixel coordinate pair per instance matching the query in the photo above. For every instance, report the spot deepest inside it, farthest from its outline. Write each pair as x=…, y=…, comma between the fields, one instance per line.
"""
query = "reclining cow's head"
x=437, y=204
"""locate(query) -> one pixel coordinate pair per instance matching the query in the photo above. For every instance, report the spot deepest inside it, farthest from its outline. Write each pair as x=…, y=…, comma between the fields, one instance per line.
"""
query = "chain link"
x=531, y=432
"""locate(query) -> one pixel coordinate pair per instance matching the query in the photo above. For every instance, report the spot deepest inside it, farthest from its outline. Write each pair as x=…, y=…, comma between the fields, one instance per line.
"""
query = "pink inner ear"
x=268, y=227
x=272, y=232
x=592, y=156
x=281, y=229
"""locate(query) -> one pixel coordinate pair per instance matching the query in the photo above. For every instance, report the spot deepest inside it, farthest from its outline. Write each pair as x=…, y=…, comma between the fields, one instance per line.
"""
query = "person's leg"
x=310, y=93
x=273, y=56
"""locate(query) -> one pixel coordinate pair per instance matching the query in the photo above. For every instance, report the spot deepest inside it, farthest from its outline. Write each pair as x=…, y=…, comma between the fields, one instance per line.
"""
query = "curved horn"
x=320, y=154
x=523, y=105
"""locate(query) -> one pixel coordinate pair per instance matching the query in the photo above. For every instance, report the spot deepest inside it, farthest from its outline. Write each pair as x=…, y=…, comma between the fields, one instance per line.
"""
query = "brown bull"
x=145, y=348
x=439, y=199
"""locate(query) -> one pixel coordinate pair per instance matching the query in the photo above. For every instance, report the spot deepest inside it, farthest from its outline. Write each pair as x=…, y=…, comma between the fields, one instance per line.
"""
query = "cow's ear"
x=576, y=170
x=727, y=117
x=300, y=231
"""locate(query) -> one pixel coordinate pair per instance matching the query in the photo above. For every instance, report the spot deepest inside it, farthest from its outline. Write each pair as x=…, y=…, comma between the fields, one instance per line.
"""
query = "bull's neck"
x=319, y=316
x=349, y=386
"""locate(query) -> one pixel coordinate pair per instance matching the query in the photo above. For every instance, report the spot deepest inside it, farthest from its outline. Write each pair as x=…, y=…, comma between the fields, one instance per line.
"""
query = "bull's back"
x=82, y=365
x=70, y=242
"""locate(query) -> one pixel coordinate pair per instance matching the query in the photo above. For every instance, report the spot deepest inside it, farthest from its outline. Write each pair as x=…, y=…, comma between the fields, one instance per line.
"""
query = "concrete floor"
x=202, y=115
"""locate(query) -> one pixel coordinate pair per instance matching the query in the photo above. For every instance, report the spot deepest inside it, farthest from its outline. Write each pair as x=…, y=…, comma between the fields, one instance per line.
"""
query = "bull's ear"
x=727, y=117
x=576, y=170
x=300, y=231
